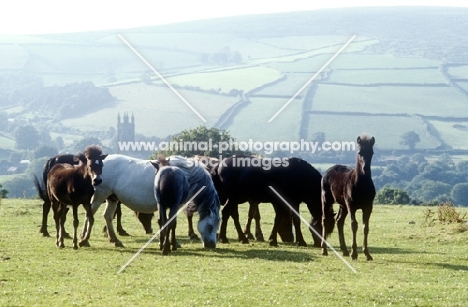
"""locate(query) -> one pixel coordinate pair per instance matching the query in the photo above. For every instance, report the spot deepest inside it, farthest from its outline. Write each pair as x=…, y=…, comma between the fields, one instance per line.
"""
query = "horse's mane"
x=92, y=151
x=197, y=177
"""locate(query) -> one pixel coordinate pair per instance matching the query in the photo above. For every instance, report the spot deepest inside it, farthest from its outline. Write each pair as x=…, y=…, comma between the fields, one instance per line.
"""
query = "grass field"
x=413, y=266
x=349, y=127
x=454, y=134
x=426, y=101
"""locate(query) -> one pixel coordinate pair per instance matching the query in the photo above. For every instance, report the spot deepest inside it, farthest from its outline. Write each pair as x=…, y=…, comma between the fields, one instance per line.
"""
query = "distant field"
x=463, y=85
x=387, y=130
x=455, y=134
x=252, y=121
x=287, y=87
x=12, y=57
x=371, y=76
x=157, y=110
x=7, y=143
x=246, y=79
x=458, y=71
x=311, y=42
x=427, y=101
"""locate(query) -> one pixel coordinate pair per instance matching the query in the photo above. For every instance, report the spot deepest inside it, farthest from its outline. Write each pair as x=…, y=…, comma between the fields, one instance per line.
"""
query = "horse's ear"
x=104, y=156
x=359, y=140
x=372, y=141
x=155, y=165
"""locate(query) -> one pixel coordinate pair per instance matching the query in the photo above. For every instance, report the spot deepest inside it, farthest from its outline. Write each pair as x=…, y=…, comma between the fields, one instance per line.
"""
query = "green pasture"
x=463, y=85
x=286, y=87
x=460, y=72
x=454, y=134
x=413, y=266
x=387, y=130
x=7, y=142
x=223, y=81
x=158, y=111
x=12, y=56
x=252, y=121
x=422, y=76
x=315, y=42
x=426, y=101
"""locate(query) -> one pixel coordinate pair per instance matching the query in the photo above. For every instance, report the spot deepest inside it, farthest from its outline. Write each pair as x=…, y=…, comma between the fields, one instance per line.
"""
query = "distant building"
x=125, y=129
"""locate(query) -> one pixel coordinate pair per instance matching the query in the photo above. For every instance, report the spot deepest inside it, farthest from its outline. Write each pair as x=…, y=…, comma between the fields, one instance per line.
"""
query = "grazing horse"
x=128, y=180
x=240, y=178
x=352, y=189
x=174, y=185
x=284, y=229
x=145, y=219
x=74, y=185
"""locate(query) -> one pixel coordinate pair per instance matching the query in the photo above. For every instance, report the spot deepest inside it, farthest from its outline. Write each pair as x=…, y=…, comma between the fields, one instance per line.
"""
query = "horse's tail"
x=42, y=192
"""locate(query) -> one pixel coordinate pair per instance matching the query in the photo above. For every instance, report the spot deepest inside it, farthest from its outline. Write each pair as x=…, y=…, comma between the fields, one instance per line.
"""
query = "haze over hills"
x=406, y=70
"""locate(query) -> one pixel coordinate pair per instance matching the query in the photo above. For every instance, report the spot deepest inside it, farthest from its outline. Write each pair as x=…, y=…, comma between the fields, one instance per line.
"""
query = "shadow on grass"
x=390, y=250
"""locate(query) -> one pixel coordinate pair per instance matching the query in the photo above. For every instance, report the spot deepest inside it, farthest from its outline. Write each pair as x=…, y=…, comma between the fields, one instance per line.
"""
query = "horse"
x=176, y=183
x=352, y=189
x=242, y=177
x=145, y=219
x=74, y=185
x=284, y=229
x=128, y=180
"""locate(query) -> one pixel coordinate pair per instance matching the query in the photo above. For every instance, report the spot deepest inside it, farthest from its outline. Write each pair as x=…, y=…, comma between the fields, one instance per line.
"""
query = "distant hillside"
x=406, y=70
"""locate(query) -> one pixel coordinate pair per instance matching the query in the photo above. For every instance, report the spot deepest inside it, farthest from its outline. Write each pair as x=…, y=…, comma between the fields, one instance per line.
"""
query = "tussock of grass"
x=445, y=213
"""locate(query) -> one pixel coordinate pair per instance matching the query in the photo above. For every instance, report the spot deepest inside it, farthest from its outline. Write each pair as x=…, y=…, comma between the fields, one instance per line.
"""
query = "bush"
x=389, y=196
x=445, y=213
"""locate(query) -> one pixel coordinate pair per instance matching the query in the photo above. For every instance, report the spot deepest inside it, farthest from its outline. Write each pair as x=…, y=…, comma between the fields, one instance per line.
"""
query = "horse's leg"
x=235, y=217
x=342, y=213
x=365, y=229
x=62, y=214
x=45, y=213
x=250, y=217
x=90, y=220
x=327, y=202
x=76, y=222
x=274, y=231
x=108, y=216
x=225, y=214
x=165, y=232
x=258, y=230
x=118, y=214
x=191, y=233
x=173, y=226
x=57, y=213
x=354, y=228
x=297, y=226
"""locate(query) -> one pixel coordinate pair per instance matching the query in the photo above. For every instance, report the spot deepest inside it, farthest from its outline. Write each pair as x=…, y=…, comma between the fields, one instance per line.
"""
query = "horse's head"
x=94, y=164
x=208, y=228
x=365, y=153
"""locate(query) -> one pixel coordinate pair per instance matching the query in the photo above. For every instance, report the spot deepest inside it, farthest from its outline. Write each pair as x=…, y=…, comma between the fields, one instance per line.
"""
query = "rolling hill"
x=406, y=70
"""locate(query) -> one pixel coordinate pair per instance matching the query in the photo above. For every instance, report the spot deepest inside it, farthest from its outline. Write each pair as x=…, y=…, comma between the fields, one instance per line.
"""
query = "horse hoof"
x=75, y=247
x=193, y=237
x=123, y=233
x=244, y=240
x=369, y=258
x=225, y=241
x=45, y=234
x=118, y=244
x=324, y=253
x=84, y=243
x=177, y=245
x=260, y=238
x=302, y=244
x=274, y=243
x=249, y=236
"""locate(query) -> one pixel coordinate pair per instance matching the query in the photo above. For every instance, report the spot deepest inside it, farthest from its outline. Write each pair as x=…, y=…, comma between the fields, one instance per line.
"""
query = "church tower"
x=125, y=128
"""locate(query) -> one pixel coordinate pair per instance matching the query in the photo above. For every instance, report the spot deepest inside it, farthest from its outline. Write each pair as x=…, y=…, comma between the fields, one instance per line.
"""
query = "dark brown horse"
x=284, y=229
x=245, y=178
x=144, y=218
x=74, y=185
x=352, y=189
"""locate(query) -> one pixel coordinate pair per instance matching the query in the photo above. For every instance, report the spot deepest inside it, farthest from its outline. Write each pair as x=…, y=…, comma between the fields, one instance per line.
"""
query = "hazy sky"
x=53, y=16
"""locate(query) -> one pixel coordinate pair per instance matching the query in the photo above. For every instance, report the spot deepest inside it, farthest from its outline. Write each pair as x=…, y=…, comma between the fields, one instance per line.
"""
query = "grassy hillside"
x=400, y=63
x=413, y=265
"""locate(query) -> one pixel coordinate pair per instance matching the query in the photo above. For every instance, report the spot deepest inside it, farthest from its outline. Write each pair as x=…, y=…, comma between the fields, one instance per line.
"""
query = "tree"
x=45, y=151
x=26, y=137
x=388, y=196
x=197, y=142
x=410, y=139
x=459, y=194
x=3, y=192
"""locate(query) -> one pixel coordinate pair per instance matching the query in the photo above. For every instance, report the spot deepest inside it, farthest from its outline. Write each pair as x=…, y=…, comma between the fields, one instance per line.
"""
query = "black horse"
x=241, y=178
x=352, y=189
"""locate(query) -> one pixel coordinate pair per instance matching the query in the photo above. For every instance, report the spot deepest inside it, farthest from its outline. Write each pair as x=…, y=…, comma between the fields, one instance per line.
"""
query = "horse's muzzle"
x=209, y=244
x=97, y=181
